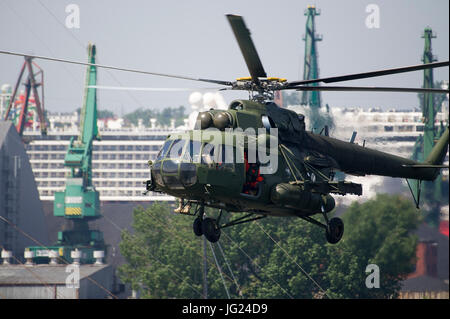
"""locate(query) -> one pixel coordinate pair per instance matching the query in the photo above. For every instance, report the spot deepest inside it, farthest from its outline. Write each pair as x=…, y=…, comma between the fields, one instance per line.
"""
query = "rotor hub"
x=262, y=90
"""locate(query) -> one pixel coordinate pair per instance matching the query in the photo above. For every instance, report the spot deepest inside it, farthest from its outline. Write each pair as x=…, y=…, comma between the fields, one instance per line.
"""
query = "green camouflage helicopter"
x=258, y=158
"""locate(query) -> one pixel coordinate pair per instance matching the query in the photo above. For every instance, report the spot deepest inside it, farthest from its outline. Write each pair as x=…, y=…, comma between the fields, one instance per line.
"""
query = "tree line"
x=273, y=257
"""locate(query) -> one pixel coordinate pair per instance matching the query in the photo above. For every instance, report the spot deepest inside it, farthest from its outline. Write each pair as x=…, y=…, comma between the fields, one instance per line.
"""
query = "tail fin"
x=434, y=160
x=437, y=155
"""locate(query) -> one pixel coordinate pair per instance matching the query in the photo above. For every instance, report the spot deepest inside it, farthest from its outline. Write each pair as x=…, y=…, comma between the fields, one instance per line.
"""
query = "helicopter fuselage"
x=257, y=157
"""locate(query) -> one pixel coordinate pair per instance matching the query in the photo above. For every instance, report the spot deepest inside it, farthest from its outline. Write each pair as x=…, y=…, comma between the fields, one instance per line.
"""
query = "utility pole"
x=205, y=271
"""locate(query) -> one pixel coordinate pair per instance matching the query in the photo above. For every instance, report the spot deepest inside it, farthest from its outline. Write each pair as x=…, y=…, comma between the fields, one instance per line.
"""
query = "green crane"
x=433, y=194
x=311, y=71
x=79, y=203
x=311, y=65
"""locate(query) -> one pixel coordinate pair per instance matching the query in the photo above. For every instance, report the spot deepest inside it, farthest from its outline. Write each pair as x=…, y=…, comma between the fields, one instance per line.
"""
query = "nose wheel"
x=197, y=226
x=211, y=229
x=207, y=227
x=335, y=230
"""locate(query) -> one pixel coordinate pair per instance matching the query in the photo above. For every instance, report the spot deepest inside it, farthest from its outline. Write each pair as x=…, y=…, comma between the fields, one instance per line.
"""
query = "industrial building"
x=119, y=162
x=22, y=219
x=19, y=281
x=430, y=276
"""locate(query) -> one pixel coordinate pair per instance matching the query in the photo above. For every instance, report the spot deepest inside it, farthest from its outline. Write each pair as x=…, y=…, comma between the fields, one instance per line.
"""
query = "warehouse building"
x=22, y=220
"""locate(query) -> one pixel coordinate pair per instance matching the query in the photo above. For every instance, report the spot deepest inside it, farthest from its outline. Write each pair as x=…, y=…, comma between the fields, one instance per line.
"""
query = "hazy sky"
x=193, y=38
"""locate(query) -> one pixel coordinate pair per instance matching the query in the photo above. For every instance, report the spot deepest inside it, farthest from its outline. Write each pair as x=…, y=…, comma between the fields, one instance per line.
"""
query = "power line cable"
x=30, y=29
x=253, y=262
x=45, y=283
x=256, y=265
x=220, y=270
x=293, y=260
x=229, y=268
x=154, y=257
x=176, y=235
x=83, y=46
x=62, y=259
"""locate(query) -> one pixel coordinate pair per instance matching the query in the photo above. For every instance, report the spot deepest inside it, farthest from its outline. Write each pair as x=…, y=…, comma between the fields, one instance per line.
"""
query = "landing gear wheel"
x=197, y=226
x=210, y=229
x=335, y=230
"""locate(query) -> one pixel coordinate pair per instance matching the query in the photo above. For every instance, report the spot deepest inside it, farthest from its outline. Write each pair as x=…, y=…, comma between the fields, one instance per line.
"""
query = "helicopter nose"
x=174, y=174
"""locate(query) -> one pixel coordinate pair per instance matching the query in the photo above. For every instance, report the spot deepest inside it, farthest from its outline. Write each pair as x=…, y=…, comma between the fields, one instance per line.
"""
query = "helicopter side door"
x=219, y=168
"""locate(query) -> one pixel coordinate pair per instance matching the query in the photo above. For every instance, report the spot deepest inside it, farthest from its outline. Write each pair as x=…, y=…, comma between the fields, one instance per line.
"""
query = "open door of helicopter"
x=253, y=179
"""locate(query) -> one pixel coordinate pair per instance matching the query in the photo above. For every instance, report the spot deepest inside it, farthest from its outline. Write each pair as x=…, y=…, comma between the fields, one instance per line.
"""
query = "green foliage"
x=101, y=114
x=163, y=117
x=377, y=232
x=105, y=114
x=160, y=257
x=164, y=257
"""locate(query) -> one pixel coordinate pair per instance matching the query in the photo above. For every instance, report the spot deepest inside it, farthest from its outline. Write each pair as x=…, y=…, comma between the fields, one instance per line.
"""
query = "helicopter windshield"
x=163, y=150
x=208, y=155
x=196, y=152
x=175, y=167
x=192, y=153
x=221, y=155
x=176, y=149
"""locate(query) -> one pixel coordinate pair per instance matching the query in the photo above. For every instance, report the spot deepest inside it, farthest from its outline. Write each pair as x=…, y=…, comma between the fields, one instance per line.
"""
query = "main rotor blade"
x=124, y=88
x=116, y=68
x=247, y=47
x=368, y=89
x=372, y=74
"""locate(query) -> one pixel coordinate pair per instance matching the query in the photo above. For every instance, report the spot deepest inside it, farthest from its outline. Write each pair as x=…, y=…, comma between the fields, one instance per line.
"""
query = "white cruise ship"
x=119, y=162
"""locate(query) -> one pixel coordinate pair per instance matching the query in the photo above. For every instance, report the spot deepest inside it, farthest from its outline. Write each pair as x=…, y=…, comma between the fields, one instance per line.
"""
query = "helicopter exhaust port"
x=292, y=196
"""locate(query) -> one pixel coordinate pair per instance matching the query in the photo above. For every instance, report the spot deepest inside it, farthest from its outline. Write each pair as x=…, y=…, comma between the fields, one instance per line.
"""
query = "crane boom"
x=80, y=201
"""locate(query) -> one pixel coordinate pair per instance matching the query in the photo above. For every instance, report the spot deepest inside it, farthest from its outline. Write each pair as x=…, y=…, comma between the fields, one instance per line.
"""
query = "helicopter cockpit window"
x=208, y=154
x=163, y=150
x=192, y=153
x=176, y=149
x=226, y=157
x=221, y=155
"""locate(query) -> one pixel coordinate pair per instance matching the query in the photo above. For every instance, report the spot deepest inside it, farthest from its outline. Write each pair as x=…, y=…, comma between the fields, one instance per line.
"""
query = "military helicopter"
x=216, y=164
x=220, y=164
